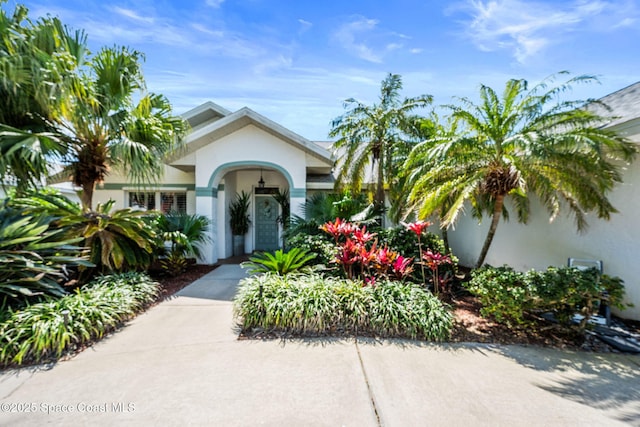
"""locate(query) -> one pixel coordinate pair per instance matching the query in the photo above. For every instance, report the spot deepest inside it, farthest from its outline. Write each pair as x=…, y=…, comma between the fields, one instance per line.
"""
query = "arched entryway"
x=262, y=180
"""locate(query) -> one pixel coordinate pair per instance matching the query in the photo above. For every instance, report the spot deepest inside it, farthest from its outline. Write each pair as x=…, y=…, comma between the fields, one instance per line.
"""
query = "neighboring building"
x=227, y=153
x=539, y=243
x=65, y=188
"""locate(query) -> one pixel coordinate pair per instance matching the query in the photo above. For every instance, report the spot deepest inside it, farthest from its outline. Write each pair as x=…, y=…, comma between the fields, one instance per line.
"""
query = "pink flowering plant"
x=434, y=260
x=431, y=258
x=360, y=256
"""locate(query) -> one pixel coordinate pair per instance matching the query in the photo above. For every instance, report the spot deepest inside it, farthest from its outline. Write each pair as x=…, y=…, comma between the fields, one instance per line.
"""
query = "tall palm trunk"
x=445, y=240
x=86, y=197
x=497, y=212
x=379, y=195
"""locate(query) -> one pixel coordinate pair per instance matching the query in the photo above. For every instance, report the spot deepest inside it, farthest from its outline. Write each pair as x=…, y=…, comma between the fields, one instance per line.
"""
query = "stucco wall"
x=247, y=145
x=114, y=185
x=540, y=244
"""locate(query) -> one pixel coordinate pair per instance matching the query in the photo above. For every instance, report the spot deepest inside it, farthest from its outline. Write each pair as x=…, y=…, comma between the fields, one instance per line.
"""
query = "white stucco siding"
x=540, y=244
x=103, y=196
x=116, y=187
x=249, y=146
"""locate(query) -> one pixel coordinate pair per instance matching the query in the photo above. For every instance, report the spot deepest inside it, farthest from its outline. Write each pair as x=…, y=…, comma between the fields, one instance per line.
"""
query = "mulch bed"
x=469, y=325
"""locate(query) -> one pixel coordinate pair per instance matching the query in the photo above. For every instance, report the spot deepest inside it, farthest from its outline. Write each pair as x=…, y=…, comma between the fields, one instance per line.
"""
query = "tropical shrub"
x=509, y=295
x=312, y=304
x=279, y=262
x=35, y=260
x=47, y=330
x=117, y=241
x=186, y=233
x=502, y=292
x=239, y=214
x=323, y=207
x=360, y=257
x=403, y=240
x=319, y=244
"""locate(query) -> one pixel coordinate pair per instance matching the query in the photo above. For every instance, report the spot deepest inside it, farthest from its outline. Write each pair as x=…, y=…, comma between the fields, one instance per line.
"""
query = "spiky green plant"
x=35, y=259
x=239, y=214
x=47, y=330
x=279, y=262
x=117, y=240
x=312, y=304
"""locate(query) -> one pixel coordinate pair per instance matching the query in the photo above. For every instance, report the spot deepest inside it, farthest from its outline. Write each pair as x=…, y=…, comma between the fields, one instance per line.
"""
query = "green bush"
x=503, y=293
x=404, y=241
x=35, y=260
x=47, y=330
x=279, y=262
x=508, y=295
x=320, y=244
x=313, y=304
x=118, y=240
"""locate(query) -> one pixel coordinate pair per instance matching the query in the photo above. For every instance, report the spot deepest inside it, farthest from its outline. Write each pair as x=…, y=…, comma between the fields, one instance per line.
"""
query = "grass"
x=312, y=304
x=46, y=331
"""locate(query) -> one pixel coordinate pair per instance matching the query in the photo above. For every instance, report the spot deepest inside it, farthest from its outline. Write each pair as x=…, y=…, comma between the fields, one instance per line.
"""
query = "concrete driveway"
x=180, y=363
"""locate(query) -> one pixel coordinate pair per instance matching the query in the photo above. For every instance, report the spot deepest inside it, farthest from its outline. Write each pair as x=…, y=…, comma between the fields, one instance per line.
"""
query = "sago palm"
x=525, y=142
x=371, y=136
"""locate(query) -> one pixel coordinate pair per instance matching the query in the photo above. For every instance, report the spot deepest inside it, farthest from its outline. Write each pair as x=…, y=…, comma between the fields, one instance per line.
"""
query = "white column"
x=205, y=205
x=297, y=205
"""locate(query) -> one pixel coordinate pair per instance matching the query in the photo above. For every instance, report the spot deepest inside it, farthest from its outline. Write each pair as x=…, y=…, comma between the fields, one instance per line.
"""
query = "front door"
x=266, y=223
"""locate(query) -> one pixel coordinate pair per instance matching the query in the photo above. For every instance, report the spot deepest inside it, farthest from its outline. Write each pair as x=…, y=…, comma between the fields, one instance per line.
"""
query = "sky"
x=296, y=61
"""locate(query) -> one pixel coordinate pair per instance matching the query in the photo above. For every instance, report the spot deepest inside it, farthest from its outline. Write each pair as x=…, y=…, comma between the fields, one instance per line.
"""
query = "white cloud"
x=131, y=14
x=527, y=27
x=214, y=3
x=348, y=36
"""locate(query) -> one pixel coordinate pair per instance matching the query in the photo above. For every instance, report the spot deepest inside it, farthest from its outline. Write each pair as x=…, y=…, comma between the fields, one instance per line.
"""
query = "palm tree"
x=372, y=136
x=106, y=129
x=38, y=63
x=90, y=116
x=526, y=142
x=431, y=131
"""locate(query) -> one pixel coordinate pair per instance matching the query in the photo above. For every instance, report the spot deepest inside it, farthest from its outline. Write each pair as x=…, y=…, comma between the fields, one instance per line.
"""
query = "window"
x=168, y=201
x=173, y=202
x=143, y=201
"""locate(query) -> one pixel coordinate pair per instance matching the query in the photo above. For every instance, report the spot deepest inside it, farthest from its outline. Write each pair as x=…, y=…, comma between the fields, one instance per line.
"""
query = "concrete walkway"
x=180, y=363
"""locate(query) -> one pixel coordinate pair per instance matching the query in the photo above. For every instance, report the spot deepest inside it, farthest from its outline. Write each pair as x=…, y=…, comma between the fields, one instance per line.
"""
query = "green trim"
x=298, y=193
x=114, y=186
x=279, y=168
x=220, y=187
x=204, y=192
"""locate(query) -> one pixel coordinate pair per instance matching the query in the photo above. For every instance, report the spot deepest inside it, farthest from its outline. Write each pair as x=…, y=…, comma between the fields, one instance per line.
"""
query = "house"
x=226, y=153
x=541, y=243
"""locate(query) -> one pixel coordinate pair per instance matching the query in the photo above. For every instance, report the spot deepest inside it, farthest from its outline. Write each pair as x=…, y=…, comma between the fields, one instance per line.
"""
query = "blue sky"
x=296, y=61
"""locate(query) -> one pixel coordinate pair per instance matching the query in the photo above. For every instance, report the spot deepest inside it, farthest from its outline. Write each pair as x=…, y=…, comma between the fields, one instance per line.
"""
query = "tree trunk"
x=445, y=240
x=86, y=197
x=379, y=195
x=497, y=212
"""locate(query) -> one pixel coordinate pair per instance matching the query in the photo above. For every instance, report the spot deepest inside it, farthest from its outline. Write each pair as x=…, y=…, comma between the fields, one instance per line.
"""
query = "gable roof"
x=624, y=105
x=205, y=112
x=231, y=122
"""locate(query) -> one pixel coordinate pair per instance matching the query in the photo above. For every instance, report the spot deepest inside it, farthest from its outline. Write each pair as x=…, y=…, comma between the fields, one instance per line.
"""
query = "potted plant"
x=239, y=221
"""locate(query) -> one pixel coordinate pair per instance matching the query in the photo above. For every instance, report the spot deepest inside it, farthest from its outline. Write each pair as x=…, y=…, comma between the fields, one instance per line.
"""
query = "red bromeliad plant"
x=418, y=227
x=339, y=228
x=360, y=257
x=434, y=260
